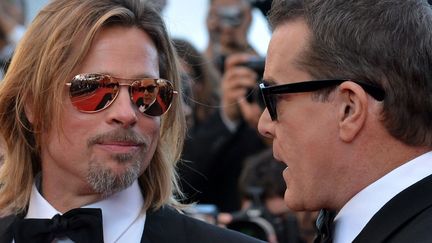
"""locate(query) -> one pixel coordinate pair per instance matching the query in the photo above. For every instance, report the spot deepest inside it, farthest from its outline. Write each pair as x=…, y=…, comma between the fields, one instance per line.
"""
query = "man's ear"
x=353, y=110
x=28, y=109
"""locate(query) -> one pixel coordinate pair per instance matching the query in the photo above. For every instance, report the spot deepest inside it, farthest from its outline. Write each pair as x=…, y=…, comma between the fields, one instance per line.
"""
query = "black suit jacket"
x=164, y=226
x=405, y=218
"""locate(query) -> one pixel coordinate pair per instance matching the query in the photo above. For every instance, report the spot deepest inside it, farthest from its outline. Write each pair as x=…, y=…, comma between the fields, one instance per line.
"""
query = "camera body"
x=258, y=222
x=257, y=64
x=230, y=16
x=251, y=222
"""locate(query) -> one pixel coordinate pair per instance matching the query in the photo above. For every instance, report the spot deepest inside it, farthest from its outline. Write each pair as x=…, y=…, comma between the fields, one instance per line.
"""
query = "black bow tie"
x=82, y=225
x=324, y=224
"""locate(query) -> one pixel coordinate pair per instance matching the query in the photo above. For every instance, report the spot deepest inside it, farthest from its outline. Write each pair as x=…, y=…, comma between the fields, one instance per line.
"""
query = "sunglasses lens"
x=92, y=92
x=153, y=97
x=150, y=89
x=95, y=92
x=271, y=105
x=269, y=100
x=143, y=93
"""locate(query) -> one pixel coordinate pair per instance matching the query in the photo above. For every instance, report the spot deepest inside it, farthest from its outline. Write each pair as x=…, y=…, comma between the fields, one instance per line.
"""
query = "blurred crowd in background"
x=228, y=170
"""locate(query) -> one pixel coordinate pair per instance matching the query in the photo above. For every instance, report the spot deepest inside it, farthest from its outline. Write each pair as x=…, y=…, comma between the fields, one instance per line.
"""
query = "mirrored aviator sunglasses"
x=91, y=93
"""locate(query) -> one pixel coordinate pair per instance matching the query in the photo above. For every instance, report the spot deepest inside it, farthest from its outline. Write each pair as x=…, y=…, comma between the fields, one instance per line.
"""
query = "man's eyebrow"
x=268, y=81
x=137, y=76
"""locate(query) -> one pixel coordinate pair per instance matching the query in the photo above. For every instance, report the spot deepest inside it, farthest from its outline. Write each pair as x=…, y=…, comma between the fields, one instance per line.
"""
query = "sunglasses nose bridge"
x=122, y=88
x=122, y=109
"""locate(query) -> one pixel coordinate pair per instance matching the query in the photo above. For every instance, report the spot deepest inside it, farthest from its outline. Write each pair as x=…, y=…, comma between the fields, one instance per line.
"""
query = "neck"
x=67, y=196
x=373, y=163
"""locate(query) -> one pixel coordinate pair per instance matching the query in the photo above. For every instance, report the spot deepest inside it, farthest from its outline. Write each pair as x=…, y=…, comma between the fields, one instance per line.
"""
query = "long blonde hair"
x=54, y=45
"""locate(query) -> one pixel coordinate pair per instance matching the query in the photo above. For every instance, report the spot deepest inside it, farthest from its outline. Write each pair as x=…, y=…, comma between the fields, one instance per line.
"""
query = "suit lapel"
x=399, y=210
x=163, y=226
x=6, y=231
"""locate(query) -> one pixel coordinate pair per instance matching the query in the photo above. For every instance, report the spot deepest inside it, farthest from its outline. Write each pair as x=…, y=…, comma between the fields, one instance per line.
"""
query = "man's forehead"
x=228, y=2
x=286, y=50
x=291, y=36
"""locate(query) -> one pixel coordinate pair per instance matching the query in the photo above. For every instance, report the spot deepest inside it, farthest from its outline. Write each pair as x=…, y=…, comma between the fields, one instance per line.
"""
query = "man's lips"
x=285, y=171
x=277, y=158
x=119, y=147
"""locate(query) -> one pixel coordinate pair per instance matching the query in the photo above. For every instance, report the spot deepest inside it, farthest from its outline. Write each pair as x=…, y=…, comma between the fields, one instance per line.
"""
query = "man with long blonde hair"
x=83, y=163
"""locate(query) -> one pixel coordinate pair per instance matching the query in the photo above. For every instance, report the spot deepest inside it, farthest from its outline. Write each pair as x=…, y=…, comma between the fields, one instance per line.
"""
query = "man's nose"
x=122, y=110
x=265, y=125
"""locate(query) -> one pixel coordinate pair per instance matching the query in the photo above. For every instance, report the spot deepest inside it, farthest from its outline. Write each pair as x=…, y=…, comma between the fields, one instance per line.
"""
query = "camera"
x=230, y=16
x=251, y=222
x=257, y=64
x=259, y=222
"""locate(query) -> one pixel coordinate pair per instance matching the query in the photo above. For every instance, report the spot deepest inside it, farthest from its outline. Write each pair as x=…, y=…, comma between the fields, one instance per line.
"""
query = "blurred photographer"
x=240, y=99
x=215, y=151
x=228, y=23
x=200, y=81
x=11, y=30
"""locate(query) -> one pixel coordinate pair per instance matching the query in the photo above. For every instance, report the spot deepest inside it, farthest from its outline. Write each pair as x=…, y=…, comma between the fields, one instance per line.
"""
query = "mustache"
x=118, y=135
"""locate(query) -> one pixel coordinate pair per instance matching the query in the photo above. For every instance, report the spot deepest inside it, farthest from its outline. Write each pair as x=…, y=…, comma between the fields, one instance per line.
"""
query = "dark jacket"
x=405, y=218
x=164, y=226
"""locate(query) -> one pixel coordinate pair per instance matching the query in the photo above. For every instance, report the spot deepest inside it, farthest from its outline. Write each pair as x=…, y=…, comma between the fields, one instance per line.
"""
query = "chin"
x=294, y=202
x=118, y=168
x=113, y=177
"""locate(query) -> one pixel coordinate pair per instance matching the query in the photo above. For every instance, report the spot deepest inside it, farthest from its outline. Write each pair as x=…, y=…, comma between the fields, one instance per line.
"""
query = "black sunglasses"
x=269, y=92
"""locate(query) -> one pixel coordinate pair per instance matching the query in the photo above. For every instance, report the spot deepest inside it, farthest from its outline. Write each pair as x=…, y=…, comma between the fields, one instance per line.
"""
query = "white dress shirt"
x=122, y=214
x=357, y=212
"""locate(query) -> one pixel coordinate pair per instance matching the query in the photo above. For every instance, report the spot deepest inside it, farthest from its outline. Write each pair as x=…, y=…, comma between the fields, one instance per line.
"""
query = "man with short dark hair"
x=348, y=89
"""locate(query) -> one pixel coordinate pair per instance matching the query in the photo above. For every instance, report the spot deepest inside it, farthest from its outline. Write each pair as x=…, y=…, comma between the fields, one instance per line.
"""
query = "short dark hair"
x=388, y=43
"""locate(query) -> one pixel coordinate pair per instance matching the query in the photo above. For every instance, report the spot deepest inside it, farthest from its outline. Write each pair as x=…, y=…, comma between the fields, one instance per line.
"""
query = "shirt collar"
x=357, y=212
x=119, y=210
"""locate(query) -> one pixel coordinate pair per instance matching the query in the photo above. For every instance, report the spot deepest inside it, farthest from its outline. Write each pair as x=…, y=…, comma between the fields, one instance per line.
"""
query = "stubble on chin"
x=105, y=181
